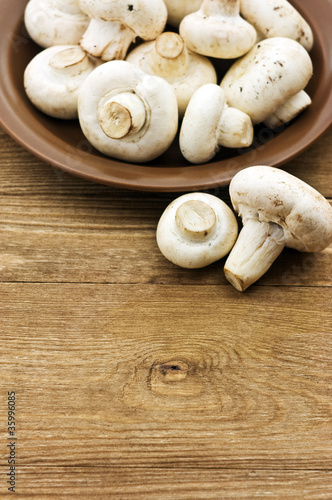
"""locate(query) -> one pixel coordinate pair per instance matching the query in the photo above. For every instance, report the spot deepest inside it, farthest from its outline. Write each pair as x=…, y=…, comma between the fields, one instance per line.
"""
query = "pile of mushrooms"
x=135, y=73
x=178, y=42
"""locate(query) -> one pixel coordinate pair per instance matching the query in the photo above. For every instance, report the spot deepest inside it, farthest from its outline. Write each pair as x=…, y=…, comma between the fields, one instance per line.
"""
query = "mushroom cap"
x=196, y=229
x=277, y=18
x=50, y=22
x=53, y=78
x=274, y=70
x=197, y=71
x=112, y=79
x=224, y=37
x=146, y=18
x=272, y=195
x=199, y=129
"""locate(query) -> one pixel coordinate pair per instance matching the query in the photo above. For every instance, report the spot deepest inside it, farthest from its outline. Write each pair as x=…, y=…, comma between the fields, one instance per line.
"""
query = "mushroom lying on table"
x=273, y=18
x=209, y=123
x=218, y=30
x=195, y=230
x=168, y=57
x=53, y=78
x=127, y=114
x=114, y=25
x=268, y=83
x=277, y=210
x=55, y=22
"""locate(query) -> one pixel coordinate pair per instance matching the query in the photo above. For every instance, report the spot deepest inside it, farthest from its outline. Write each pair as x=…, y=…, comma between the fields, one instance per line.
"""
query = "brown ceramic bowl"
x=62, y=144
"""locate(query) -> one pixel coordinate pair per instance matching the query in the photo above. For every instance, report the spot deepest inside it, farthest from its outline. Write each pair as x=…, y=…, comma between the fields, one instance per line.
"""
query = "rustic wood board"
x=159, y=375
x=137, y=379
x=166, y=484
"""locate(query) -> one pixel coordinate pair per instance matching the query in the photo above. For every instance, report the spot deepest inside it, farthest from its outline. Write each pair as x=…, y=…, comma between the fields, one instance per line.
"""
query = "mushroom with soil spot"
x=278, y=210
x=53, y=78
x=209, y=123
x=168, y=57
x=55, y=22
x=115, y=25
x=127, y=114
x=268, y=83
x=195, y=230
x=217, y=30
x=273, y=18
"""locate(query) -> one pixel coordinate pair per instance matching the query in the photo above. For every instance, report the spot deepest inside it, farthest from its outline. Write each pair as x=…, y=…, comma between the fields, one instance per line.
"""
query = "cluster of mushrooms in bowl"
x=131, y=99
x=133, y=85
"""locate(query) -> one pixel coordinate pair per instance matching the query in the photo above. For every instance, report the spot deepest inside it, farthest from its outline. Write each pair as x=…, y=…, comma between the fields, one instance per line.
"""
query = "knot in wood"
x=174, y=371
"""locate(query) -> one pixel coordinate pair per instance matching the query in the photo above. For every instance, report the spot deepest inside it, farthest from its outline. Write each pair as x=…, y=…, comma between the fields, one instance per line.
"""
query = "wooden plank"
x=160, y=376
x=113, y=257
x=167, y=484
x=58, y=239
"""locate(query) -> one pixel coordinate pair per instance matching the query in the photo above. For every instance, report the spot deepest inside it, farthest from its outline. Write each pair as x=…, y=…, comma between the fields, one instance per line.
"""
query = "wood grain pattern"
x=57, y=246
x=166, y=484
x=153, y=379
x=138, y=379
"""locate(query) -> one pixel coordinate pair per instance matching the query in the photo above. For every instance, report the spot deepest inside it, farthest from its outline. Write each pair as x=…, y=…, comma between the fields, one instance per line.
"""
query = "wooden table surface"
x=93, y=317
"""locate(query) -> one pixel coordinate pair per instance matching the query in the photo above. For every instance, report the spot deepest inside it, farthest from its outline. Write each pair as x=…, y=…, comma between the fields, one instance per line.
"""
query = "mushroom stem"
x=288, y=110
x=108, y=40
x=122, y=115
x=195, y=220
x=221, y=7
x=71, y=61
x=235, y=129
x=169, y=56
x=257, y=247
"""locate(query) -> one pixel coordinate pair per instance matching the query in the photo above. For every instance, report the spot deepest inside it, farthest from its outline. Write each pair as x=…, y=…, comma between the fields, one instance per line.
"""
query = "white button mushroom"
x=115, y=25
x=274, y=18
x=177, y=10
x=277, y=210
x=55, y=22
x=196, y=229
x=218, y=30
x=209, y=123
x=168, y=57
x=53, y=78
x=268, y=82
x=127, y=114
